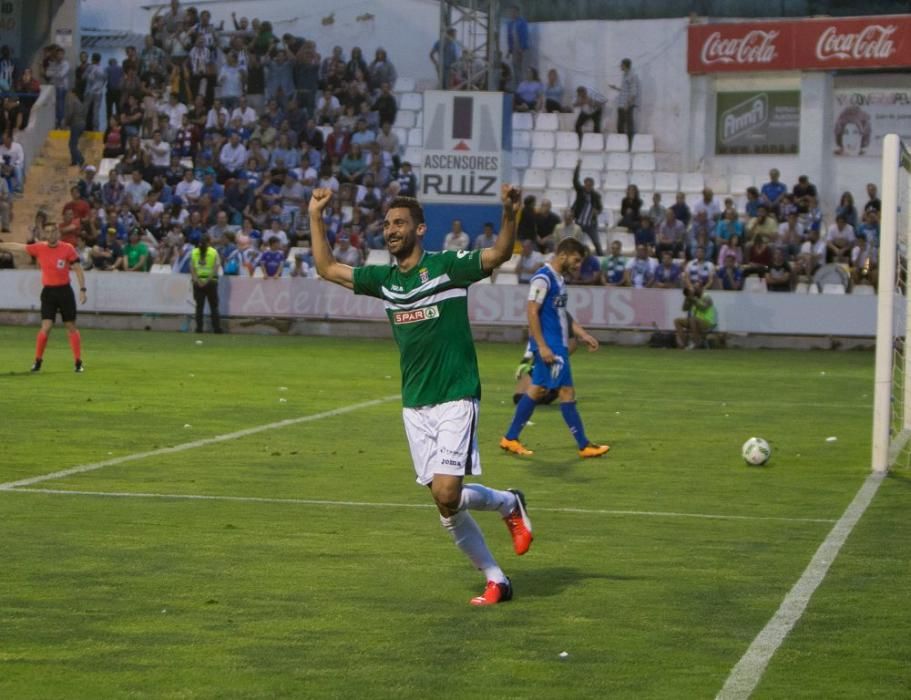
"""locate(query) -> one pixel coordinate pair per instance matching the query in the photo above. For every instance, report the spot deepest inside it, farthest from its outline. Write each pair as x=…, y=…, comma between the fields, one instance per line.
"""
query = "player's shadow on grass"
x=554, y=580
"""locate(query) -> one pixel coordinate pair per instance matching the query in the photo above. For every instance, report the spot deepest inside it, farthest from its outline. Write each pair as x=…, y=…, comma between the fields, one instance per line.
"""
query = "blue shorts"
x=552, y=376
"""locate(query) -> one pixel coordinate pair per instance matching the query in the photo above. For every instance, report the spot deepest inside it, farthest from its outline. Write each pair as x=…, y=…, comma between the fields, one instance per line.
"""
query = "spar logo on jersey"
x=401, y=318
x=61, y=263
x=424, y=275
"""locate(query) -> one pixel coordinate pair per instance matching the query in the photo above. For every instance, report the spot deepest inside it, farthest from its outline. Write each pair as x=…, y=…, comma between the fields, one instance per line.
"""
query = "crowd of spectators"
x=779, y=235
x=227, y=130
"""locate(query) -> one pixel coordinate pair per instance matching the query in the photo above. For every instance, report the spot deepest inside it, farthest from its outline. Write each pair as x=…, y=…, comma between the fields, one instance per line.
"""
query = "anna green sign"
x=757, y=123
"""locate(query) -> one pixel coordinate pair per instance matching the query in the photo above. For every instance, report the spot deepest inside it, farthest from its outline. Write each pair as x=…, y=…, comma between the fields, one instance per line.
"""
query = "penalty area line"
x=374, y=504
x=746, y=675
x=83, y=468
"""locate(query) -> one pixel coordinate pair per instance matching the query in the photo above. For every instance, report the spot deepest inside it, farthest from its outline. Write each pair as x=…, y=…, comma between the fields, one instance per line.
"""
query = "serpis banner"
x=464, y=145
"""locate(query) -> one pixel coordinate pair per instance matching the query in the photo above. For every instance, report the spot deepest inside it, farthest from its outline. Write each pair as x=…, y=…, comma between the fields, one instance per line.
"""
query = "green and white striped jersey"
x=428, y=309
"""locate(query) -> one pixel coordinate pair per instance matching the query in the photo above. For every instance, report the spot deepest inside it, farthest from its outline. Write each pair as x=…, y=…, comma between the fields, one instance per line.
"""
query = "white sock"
x=467, y=536
x=478, y=497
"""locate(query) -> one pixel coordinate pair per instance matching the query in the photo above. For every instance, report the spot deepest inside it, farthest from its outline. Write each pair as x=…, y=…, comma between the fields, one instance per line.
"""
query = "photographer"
x=701, y=317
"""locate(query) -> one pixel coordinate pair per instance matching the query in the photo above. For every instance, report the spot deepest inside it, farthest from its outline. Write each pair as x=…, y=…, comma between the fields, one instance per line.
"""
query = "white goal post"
x=892, y=390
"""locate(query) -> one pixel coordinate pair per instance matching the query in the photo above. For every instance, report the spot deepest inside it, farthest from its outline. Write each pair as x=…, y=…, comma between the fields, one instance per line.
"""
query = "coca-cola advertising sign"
x=812, y=44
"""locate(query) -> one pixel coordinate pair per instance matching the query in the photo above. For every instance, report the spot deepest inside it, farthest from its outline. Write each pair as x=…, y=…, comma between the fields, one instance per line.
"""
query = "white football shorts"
x=443, y=439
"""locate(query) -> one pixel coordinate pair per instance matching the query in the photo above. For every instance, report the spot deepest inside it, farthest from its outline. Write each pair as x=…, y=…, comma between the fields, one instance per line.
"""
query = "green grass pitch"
x=321, y=571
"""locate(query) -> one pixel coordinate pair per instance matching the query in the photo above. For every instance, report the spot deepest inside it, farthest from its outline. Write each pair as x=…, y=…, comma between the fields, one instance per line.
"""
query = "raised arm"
x=12, y=247
x=326, y=265
x=501, y=251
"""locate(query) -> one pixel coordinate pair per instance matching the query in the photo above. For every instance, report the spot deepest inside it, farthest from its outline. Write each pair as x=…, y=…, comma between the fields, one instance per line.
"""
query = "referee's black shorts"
x=62, y=299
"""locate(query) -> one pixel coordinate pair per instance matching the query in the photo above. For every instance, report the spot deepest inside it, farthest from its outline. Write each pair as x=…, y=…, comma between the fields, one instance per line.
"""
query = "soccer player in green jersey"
x=426, y=300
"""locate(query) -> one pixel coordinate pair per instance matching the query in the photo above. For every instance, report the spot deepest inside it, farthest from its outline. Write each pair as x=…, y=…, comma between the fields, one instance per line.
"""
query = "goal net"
x=892, y=392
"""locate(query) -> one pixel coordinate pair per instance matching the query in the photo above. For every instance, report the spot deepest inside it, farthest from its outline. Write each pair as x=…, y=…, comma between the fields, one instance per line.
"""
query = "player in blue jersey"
x=550, y=328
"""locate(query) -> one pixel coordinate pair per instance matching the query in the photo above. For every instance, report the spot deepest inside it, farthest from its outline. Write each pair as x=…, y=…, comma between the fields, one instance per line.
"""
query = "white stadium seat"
x=740, y=183
x=618, y=161
x=567, y=159
x=506, y=278
x=667, y=182
x=864, y=289
x=802, y=288
x=593, y=161
x=644, y=161
x=415, y=137
x=522, y=121
x=542, y=159
x=520, y=159
x=159, y=269
x=543, y=140
x=560, y=179
x=645, y=182
x=401, y=134
x=404, y=84
x=534, y=179
x=617, y=143
x=559, y=199
x=643, y=143
x=107, y=165
x=405, y=119
x=831, y=288
x=692, y=183
x=546, y=122
x=567, y=141
x=754, y=284
x=419, y=119
x=616, y=181
x=412, y=100
x=613, y=199
x=521, y=139
x=413, y=155
x=592, y=142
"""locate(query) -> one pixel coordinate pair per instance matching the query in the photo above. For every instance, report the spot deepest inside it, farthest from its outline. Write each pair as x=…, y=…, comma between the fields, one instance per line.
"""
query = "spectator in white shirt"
x=188, y=189
x=246, y=113
x=12, y=150
x=487, y=239
x=840, y=239
x=456, y=239
x=345, y=253
x=217, y=111
x=231, y=80
x=160, y=151
x=175, y=111
x=530, y=261
x=233, y=156
x=709, y=206
x=136, y=189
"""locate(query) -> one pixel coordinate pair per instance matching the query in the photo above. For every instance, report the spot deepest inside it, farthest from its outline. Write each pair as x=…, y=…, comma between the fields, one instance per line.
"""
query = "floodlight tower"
x=477, y=31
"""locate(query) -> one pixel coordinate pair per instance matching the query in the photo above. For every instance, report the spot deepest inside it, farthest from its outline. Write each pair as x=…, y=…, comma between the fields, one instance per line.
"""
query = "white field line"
x=83, y=468
x=745, y=676
x=369, y=504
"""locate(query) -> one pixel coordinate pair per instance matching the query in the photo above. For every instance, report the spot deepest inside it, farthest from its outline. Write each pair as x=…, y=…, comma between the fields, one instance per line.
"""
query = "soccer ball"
x=756, y=451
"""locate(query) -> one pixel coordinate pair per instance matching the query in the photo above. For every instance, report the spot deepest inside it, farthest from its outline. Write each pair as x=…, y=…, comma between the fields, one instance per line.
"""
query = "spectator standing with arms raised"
x=425, y=295
x=587, y=207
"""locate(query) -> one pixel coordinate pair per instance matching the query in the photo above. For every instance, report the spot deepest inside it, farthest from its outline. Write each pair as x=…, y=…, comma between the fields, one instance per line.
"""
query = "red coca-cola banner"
x=811, y=44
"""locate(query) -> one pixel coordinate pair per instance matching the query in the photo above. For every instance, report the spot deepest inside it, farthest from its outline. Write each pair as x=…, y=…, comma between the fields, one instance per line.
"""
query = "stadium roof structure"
x=92, y=38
